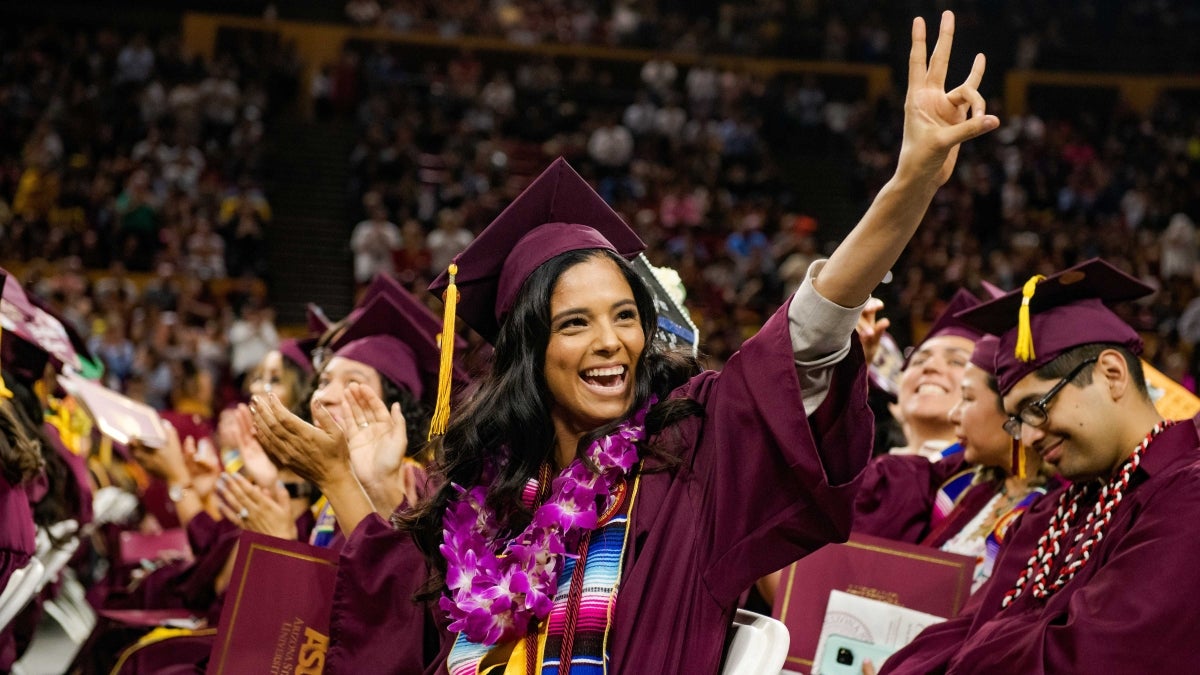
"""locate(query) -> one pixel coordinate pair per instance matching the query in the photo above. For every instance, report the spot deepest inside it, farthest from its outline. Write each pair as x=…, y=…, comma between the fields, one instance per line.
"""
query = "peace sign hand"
x=937, y=121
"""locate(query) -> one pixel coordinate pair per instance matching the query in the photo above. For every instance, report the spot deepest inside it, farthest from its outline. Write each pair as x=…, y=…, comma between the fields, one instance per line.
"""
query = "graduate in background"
x=1102, y=578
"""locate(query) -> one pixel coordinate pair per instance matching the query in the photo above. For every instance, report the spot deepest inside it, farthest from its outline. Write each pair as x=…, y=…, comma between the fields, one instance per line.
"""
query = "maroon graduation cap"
x=556, y=213
x=34, y=334
x=299, y=350
x=387, y=338
x=984, y=356
x=947, y=324
x=1052, y=315
x=426, y=320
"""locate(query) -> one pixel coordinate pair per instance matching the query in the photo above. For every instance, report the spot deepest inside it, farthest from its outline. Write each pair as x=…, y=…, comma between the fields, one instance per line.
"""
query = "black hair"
x=510, y=407
x=416, y=417
x=1064, y=363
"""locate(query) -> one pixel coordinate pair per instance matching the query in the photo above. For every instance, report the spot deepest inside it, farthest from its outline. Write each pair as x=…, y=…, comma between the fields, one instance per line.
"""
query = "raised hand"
x=266, y=511
x=316, y=452
x=255, y=462
x=936, y=121
x=870, y=330
x=202, y=464
x=378, y=440
x=166, y=462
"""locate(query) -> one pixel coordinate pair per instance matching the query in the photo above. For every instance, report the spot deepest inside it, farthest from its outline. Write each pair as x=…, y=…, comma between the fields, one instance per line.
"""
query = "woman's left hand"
x=256, y=509
x=318, y=453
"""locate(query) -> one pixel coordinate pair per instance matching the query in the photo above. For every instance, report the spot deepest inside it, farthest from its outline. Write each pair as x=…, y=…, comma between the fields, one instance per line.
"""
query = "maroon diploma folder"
x=276, y=613
x=167, y=545
x=916, y=577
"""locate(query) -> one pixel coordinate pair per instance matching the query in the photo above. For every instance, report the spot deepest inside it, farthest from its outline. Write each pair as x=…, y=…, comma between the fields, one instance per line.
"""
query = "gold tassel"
x=5, y=392
x=1024, y=350
x=441, y=409
x=1018, y=459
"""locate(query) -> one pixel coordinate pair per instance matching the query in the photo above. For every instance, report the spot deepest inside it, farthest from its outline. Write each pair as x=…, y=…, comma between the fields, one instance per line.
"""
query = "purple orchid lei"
x=495, y=594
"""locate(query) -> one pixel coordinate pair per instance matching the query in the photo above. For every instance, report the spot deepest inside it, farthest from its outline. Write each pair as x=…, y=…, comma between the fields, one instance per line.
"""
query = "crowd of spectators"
x=130, y=199
x=1086, y=35
x=121, y=154
x=445, y=145
x=692, y=157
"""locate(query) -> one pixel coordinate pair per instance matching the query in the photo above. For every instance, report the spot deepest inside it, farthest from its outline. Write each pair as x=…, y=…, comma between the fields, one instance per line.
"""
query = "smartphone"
x=843, y=655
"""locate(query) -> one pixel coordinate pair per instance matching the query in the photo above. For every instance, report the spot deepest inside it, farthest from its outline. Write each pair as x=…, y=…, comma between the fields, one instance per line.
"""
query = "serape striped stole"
x=592, y=614
x=949, y=494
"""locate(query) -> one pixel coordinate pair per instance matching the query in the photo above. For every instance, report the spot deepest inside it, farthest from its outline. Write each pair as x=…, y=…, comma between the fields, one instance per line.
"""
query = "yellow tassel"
x=5, y=392
x=1024, y=350
x=441, y=409
x=1018, y=459
x=106, y=451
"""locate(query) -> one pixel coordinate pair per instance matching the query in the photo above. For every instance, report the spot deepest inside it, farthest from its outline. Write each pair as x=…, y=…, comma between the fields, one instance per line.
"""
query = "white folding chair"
x=759, y=645
x=21, y=587
x=71, y=610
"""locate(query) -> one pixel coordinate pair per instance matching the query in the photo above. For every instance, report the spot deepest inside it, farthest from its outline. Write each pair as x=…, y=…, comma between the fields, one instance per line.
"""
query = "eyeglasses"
x=1034, y=414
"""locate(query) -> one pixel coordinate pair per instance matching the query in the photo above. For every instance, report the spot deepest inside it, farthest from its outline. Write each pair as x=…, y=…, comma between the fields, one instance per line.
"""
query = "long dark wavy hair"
x=510, y=407
x=23, y=426
x=20, y=454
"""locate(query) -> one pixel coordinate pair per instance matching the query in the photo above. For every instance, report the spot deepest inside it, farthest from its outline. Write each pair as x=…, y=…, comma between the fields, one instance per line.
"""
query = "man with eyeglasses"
x=1102, y=577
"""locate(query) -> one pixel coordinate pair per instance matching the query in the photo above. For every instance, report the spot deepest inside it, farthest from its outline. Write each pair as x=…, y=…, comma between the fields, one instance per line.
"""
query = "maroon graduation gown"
x=758, y=486
x=16, y=548
x=897, y=495
x=1131, y=609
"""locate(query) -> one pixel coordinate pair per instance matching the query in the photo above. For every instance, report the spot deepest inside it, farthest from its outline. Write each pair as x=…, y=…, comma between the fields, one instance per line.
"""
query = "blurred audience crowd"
x=130, y=193
x=1104, y=35
x=693, y=156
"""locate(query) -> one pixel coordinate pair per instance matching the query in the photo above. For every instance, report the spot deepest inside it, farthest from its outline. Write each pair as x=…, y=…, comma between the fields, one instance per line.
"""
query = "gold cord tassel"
x=1024, y=350
x=1018, y=459
x=441, y=410
x=5, y=392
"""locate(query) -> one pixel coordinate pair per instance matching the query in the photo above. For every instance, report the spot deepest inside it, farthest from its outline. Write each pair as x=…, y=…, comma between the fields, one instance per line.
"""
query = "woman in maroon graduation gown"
x=707, y=481
x=965, y=502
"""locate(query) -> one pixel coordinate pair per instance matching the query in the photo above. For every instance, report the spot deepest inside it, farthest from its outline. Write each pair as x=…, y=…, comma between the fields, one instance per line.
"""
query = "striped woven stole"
x=582, y=618
x=948, y=495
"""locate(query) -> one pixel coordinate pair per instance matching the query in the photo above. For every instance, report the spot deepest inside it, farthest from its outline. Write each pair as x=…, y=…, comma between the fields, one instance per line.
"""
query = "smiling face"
x=271, y=376
x=930, y=386
x=595, y=341
x=979, y=422
x=1081, y=436
x=336, y=376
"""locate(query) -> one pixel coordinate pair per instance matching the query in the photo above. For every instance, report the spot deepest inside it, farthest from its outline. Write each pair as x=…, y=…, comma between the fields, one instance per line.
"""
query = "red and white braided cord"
x=1089, y=534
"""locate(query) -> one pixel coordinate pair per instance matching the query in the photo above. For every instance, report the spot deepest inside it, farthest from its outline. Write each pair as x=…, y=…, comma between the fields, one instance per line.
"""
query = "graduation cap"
x=388, y=338
x=300, y=350
x=947, y=323
x=5, y=392
x=558, y=212
x=984, y=356
x=386, y=285
x=1052, y=315
x=42, y=336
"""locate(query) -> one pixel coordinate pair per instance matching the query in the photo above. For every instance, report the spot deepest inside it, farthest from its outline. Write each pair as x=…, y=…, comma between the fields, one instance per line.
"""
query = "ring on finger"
x=244, y=513
x=363, y=425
